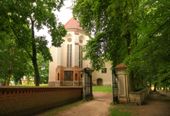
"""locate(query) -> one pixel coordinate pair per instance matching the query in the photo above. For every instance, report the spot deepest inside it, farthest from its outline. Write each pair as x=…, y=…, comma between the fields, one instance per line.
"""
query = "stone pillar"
x=123, y=83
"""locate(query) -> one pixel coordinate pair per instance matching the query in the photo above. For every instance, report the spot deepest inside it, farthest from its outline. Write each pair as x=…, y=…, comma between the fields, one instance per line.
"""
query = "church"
x=68, y=63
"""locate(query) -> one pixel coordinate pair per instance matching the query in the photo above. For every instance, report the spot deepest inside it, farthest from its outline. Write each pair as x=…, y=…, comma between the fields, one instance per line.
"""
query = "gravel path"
x=97, y=107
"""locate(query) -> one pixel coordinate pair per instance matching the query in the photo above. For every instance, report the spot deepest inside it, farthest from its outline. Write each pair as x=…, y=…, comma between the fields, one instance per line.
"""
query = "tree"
x=22, y=19
x=114, y=26
x=135, y=32
x=13, y=61
x=151, y=55
x=43, y=67
x=113, y=23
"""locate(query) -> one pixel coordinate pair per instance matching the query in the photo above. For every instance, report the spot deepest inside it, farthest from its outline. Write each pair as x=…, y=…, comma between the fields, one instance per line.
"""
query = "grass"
x=105, y=89
x=119, y=111
x=32, y=85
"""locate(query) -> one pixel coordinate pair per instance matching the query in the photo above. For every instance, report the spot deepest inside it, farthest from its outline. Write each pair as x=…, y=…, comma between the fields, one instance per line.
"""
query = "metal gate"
x=87, y=84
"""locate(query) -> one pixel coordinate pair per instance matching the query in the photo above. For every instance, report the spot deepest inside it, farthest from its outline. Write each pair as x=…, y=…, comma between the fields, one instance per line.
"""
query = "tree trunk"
x=36, y=72
x=7, y=81
x=34, y=57
x=150, y=85
x=155, y=85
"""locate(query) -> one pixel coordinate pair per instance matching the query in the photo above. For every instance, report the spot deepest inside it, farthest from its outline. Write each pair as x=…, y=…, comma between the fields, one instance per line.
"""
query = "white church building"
x=68, y=63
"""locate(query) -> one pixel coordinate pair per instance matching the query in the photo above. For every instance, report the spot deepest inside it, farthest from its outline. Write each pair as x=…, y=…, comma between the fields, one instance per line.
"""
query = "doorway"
x=99, y=81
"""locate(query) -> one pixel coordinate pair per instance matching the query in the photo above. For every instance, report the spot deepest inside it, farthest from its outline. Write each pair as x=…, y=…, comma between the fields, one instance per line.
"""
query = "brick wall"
x=27, y=101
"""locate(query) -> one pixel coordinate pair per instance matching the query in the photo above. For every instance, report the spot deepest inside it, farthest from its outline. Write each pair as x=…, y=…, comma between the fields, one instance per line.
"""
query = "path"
x=156, y=105
x=97, y=107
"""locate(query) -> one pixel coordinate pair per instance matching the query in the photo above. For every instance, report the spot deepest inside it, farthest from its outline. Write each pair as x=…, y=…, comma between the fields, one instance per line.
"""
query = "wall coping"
x=32, y=90
x=27, y=87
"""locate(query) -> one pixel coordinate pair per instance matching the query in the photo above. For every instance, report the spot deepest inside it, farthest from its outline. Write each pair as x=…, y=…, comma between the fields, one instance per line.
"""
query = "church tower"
x=67, y=64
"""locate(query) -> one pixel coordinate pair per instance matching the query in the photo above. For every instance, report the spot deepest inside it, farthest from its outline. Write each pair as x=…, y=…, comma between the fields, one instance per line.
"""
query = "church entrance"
x=68, y=78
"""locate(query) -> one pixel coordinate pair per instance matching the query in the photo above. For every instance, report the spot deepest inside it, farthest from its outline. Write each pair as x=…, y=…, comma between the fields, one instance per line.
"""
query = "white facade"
x=68, y=60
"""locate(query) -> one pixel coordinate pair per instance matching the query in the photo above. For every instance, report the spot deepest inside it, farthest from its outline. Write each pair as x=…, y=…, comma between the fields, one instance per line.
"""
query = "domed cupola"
x=73, y=25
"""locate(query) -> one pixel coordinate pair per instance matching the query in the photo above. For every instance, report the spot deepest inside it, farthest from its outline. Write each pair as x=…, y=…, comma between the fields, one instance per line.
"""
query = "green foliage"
x=20, y=18
x=113, y=26
x=150, y=58
x=135, y=32
x=43, y=68
x=12, y=61
x=117, y=112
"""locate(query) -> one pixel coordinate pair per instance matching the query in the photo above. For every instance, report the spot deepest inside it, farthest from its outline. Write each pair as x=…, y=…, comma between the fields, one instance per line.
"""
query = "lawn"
x=30, y=85
x=119, y=110
x=105, y=89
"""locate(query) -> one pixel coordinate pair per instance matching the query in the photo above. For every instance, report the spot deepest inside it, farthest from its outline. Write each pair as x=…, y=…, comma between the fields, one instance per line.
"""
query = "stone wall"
x=138, y=97
x=30, y=100
x=106, y=77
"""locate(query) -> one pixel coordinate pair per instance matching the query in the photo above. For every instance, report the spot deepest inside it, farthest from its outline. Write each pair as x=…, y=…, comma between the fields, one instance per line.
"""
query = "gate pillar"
x=123, y=83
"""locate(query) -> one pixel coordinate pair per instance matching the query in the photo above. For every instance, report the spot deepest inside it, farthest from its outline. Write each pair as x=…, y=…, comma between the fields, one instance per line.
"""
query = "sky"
x=62, y=16
x=65, y=12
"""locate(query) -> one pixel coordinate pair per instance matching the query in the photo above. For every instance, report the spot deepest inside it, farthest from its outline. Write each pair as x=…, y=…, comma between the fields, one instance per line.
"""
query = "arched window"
x=80, y=57
x=69, y=55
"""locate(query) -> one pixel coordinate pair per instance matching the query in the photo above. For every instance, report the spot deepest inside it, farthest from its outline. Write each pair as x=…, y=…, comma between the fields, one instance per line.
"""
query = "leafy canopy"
x=20, y=18
x=132, y=31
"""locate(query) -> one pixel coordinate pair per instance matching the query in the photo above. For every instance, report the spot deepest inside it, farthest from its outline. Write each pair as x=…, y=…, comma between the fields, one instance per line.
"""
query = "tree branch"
x=162, y=25
x=13, y=30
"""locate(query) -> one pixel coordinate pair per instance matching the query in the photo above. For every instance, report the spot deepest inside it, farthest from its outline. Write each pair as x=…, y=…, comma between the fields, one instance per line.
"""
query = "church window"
x=104, y=70
x=80, y=57
x=69, y=55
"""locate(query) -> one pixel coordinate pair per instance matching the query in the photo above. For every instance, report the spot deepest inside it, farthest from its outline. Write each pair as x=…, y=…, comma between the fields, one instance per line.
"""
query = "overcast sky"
x=62, y=16
x=65, y=12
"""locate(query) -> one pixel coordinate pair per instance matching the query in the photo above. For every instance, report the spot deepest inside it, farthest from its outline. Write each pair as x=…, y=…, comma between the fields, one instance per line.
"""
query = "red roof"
x=72, y=24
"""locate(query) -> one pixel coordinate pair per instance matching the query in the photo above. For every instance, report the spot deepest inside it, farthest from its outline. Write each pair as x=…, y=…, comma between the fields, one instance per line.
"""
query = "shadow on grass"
x=119, y=110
